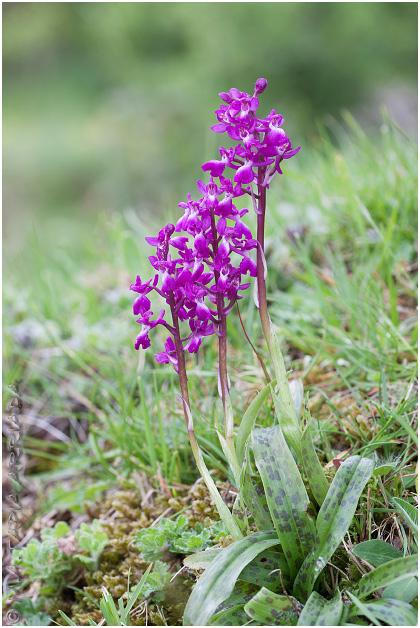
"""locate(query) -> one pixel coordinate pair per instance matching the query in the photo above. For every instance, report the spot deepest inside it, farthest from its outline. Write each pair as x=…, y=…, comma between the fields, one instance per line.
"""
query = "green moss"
x=121, y=515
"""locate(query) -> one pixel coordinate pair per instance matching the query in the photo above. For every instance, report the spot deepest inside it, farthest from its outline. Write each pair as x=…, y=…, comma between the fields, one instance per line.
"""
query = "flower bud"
x=260, y=85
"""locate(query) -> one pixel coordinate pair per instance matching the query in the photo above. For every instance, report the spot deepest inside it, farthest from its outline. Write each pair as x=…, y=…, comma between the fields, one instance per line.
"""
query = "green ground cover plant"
x=320, y=479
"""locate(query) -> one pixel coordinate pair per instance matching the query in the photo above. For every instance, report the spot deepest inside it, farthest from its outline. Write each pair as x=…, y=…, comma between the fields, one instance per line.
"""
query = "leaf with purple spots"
x=286, y=495
x=240, y=595
x=264, y=571
x=321, y=612
x=234, y=616
x=239, y=513
x=391, y=572
x=253, y=496
x=334, y=519
x=390, y=612
x=271, y=609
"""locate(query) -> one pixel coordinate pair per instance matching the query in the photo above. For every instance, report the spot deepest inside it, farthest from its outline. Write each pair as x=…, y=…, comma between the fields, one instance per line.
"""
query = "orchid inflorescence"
x=203, y=261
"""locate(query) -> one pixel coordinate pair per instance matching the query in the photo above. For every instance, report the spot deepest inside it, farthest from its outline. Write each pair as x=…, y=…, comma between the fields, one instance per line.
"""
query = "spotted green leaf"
x=219, y=579
x=286, y=495
x=234, y=616
x=271, y=609
x=333, y=520
x=387, y=574
x=376, y=552
x=242, y=592
x=321, y=612
x=390, y=612
x=311, y=465
x=256, y=502
x=239, y=513
x=264, y=571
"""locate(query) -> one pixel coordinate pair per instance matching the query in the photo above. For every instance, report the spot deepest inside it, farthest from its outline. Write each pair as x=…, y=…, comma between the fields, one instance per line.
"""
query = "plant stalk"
x=223, y=375
x=222, y=508
x=261, y=285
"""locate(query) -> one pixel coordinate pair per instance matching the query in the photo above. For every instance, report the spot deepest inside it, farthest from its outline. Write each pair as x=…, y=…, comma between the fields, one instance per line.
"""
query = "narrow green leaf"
x=224, y=512
x=218, y=581
x=296, y=390
x=239, y=513
x=257, y=504
x=361, y=609
x=286, y=495
x=135, y=594
x=334, y=519
x=376, y=552
x=231, y=458
x=409, y=513
x=393, y=612
x=287, y=423
x=406, y=425
x=321, y=612
x=201, y=560
x=404, y=590
x=248, y=421
x=108, y=602
x=109, y=610
x=67, y=619
x=311, y=464
x=271, y=609
x=390, y=612
x=390, y=573
x=121, y=610
x=282, y=381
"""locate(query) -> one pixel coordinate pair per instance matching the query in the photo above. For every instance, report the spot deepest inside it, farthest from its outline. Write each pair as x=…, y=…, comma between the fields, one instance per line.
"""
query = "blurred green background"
x=107, y=106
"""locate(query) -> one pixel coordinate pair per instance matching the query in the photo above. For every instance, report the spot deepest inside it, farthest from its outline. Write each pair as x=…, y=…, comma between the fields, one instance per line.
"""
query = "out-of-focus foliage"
x=108, y=105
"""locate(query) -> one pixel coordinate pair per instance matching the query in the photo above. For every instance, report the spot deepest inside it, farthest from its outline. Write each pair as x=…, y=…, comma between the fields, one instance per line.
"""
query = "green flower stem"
x=182, y=371
x=224, y=512
x=223, y=376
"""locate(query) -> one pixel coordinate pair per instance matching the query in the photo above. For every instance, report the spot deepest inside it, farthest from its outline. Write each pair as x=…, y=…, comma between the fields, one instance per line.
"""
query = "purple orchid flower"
x=213, y=244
